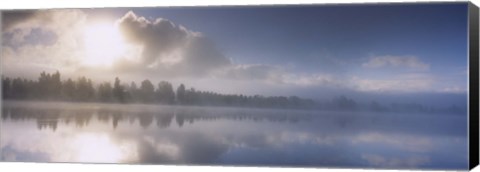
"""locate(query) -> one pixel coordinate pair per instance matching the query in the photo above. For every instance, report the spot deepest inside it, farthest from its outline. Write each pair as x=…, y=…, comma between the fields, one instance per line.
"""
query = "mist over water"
x=148, y=134
x=382, y=86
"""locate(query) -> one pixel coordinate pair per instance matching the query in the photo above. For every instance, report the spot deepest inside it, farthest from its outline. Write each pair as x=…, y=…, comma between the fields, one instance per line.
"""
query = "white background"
x=53, y=167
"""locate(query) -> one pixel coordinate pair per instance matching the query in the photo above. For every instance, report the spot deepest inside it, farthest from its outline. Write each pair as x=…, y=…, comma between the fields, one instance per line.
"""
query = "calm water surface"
x=147, y=134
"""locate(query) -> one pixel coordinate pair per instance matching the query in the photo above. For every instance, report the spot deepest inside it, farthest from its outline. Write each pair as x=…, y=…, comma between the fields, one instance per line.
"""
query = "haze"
x=400, y=52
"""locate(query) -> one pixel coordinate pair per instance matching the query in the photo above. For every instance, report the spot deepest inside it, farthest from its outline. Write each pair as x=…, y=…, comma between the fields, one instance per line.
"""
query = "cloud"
x=411, y=62
x=41, y=40
x=319, y=79
x=53, y=40
x=201, y=56
x=282, y=77
x=11, y=18
x=395, y=162
x=157, y=38
x=249, y=72
x=58, y=21
x=453, y=89
x=276, y=75
x=399, y=83
x=170, y=48
x=162, y=49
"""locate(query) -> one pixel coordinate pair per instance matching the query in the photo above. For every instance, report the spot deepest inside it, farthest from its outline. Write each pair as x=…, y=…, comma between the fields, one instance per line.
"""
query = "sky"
x=312, y=51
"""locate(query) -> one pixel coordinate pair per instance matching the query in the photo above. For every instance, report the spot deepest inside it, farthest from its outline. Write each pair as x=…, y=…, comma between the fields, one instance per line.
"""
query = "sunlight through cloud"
x=104, y=44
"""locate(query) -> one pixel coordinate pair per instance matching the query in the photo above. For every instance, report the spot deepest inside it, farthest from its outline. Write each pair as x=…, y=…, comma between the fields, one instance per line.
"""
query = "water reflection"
x=63, y=132
x=49, y=117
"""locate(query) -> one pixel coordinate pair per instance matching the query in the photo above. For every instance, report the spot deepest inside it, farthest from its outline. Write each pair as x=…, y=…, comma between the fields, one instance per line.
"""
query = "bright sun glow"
x=103, y=44
x=97, y=148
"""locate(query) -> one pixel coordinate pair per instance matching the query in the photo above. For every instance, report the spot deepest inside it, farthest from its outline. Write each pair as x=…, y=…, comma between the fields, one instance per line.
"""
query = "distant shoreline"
x=50, y=88
x=147, y=106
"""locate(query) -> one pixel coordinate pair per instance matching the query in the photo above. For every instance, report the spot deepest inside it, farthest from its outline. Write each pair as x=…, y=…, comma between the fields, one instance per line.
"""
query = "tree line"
x=51, y=87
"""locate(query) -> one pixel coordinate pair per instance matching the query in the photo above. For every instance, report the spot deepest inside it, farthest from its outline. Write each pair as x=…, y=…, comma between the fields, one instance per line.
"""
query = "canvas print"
x=322, y=86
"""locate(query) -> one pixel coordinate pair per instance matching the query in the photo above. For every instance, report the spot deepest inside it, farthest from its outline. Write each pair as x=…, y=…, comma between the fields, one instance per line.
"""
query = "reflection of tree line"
x=345, y=103
x=50, y=118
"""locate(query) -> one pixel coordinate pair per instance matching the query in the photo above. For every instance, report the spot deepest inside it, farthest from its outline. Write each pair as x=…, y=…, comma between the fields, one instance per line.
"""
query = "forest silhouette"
x=50, y=87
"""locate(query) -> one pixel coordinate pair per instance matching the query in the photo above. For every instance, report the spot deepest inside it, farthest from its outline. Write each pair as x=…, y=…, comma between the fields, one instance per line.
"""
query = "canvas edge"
x=473, y=40
x=473, y=59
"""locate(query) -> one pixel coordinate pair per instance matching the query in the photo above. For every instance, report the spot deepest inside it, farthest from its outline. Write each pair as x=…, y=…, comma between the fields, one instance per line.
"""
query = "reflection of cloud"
x=226, y=140
x=280, y=140
x=318, y=139
x=201, y=149
x=253, y=141
x=186, y=148
x=150, y=153
x=395, y=162
x=396, y=61
x=404, y=142
x=10, y=154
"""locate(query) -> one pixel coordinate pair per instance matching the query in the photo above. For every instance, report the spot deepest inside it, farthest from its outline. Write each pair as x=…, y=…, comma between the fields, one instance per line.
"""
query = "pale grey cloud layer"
x=411, y=62
x=385, y=162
